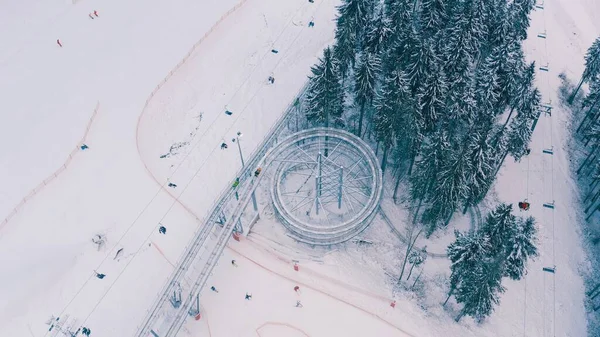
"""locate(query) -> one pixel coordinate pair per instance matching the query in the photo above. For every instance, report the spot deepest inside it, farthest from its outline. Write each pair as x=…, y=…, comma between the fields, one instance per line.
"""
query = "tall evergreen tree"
x=421, y=62
x=324, y=91
x=366, y=74
x=434, y=154
x=482, y=157
x=592, y=66
x=500, y=228
x=450, y=188
x=433, y=15
x=521, y=247
x=480, y=290
x=351, y=21
x=519, y=11
x=430, y=96
x=378, y=35
x=465, y=253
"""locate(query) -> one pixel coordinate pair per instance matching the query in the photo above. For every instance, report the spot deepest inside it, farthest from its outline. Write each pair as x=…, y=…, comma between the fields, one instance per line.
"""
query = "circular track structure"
x=326, y=186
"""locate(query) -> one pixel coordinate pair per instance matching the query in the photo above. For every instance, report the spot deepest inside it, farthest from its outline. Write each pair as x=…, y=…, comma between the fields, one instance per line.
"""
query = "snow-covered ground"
x=115, y=62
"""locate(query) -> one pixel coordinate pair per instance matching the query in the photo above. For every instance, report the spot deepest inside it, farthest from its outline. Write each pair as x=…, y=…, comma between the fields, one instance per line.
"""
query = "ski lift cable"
x=176, y=199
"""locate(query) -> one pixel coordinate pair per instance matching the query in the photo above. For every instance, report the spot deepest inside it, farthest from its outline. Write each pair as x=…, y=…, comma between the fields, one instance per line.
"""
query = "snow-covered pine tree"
x=324, y=91
x=482, y=157
x=525, y=97
x=592, y=67
x=434, y=154
x=450, y=188
x=500, y=228
x=433, y=16
x=344, y=49
x=519, y=131
x=353, y=16
x=521, y=248
x=365, y=77
x=487, y=92
x=479, y=290
x=394, y=117
x=378, y=35
x=420, y=63
x=518, y=12
x=466, y=252
x=431, y=95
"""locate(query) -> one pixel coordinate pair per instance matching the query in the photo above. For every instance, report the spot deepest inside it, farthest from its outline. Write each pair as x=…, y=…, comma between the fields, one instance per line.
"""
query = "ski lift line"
x=200, y=235
x=552, y=194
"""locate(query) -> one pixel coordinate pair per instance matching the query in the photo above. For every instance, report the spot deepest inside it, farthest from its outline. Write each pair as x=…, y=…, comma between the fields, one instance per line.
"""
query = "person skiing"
x=233, y=263
x=95, y=13
x=90, y=15
x=58, y=42
x=223, y=146
x=86, y=331
x=296, y=288
x=162, y=230
x=83, y=147
x=98, y=275
x=248, y=297
x=311, y=23
x=172, y=185
x=271, y=79
x=298, y=304
x=214, y=289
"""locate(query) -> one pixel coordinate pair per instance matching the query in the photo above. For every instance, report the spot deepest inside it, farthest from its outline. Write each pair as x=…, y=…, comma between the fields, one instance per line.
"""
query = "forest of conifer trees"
x=442, y=91
x=441, y=87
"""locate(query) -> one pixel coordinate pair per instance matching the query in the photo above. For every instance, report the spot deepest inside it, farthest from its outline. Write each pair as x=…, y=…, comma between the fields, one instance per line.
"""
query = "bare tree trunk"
x=417, y=279
x=592, y=213
x=384, y=159
x=360, y=120
x=587, y=115
x=398, y=178
x=447, y=298
x=412, y=266
x=459, y=316
x=585, y=162
x=409, y=246
x=572, y=97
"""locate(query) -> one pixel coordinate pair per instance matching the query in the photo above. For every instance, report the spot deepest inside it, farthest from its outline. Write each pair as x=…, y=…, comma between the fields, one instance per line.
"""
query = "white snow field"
x=159, y=73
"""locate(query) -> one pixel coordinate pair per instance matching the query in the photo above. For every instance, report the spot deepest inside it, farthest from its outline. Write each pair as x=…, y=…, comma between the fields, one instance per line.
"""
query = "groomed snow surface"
x=118, y=63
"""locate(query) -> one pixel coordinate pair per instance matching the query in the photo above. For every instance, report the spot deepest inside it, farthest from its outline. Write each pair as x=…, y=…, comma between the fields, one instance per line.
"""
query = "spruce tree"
x=324, y=91
x=451, y=187
x=433, y=15
x=434, y=154
x=518, y=12
x=479, y=290
x=352, y=18
x=521, y=247
x=378, y=35
x=592, y=67
x=421, y=62
x=430, y=96
x=482, y=157
x=500, y=228
x=466, y=253
x=366, y=74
